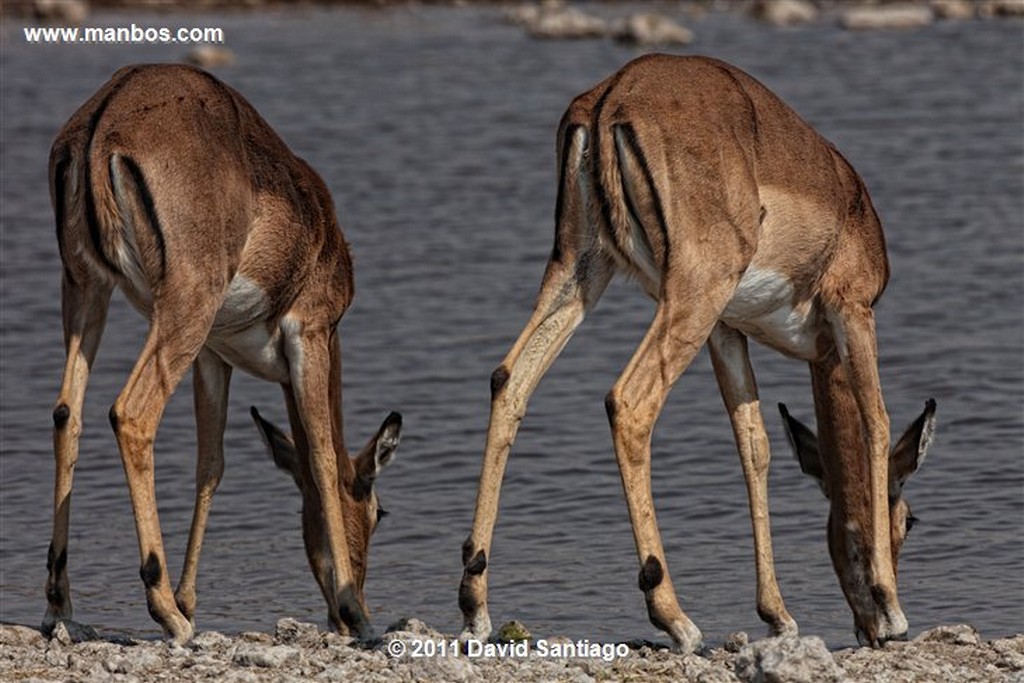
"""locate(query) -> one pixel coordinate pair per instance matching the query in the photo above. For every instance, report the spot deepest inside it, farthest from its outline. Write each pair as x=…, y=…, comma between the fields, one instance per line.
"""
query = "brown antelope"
x=167, y=184
x=740, y=221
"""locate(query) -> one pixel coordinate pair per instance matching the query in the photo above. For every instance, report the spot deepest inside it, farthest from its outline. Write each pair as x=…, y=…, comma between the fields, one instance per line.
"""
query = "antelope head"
x=849, y=514
x=360, y=505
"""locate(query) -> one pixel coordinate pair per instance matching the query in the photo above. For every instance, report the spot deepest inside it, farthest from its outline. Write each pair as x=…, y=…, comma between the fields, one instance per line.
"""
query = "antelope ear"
x=910, y=451
x=280, y=445
x=804, y=443
x=377, y=453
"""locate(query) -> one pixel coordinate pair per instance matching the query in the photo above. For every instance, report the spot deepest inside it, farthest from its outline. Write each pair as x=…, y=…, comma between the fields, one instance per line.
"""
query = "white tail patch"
x=126, y=255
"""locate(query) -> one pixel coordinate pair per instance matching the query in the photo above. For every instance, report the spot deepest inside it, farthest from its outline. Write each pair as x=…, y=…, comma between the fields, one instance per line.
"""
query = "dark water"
x=435, y=130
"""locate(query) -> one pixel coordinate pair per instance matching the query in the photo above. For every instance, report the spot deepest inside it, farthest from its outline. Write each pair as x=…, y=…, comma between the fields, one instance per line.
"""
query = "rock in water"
x=61, y=11
x=887, y=17
x=208, y=56
x=553, y=19
x=652, y=29
x=785, y=12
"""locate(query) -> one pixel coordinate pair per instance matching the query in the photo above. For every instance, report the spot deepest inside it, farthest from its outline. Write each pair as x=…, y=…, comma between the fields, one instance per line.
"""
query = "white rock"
x=1001, y=8
x=959, y=634
x=953, y=9
x=785, y=12
x=413, y=626
x=788, y=658
x=292, y=632
x=208, y=56
x=12, y=635
x=557, y=21
x=61, y=11
x=67, y=632
x=209, y=640
x=736, y=641
x=264, y=656
x=652, y=29
x=903, y=16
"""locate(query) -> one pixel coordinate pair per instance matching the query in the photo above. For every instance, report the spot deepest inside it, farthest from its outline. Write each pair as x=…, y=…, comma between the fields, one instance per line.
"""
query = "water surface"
x=434, y=128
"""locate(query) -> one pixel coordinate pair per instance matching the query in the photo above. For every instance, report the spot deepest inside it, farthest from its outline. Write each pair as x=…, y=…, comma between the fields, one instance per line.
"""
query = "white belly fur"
x=242, y=336
x=763, y=308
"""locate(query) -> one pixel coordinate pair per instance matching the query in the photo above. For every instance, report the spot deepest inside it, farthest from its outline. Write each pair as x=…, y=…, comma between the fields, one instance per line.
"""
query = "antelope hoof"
x=884, y=636
x=473, y=597
x=476, y=626
x=783, y=629
x=178, y=629
x=780, y=625
x=54, y=616
x=354, y=622
x=686, y=637
x=889, y=623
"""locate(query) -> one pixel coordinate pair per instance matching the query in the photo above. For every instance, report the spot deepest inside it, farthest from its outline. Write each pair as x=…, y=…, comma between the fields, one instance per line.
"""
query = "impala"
x=168, y=185
x=740, y=221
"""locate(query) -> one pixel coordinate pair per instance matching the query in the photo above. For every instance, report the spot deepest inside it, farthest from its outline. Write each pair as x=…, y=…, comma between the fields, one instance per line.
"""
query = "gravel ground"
x=301, y=652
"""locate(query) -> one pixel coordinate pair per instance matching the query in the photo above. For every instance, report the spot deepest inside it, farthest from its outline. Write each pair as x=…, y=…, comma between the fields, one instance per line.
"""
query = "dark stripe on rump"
x=634, y=143
x=570, y=131
x=60, y=206
x=602, y=195
x=91, y=219
x=150, y=209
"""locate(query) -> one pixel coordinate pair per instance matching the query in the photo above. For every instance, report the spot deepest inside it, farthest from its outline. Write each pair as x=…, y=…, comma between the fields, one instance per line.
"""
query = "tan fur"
x=168, y=185
x=756, y=226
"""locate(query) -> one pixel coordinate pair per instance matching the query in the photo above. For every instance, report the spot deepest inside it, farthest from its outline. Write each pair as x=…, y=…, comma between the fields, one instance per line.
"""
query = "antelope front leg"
x=308, y=352
x=210, y=379
x=84, y=308
x=853, y=326
x=739, y=392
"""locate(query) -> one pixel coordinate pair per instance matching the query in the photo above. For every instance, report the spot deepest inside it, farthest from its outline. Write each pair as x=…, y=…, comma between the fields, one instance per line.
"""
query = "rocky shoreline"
x=411, y=651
